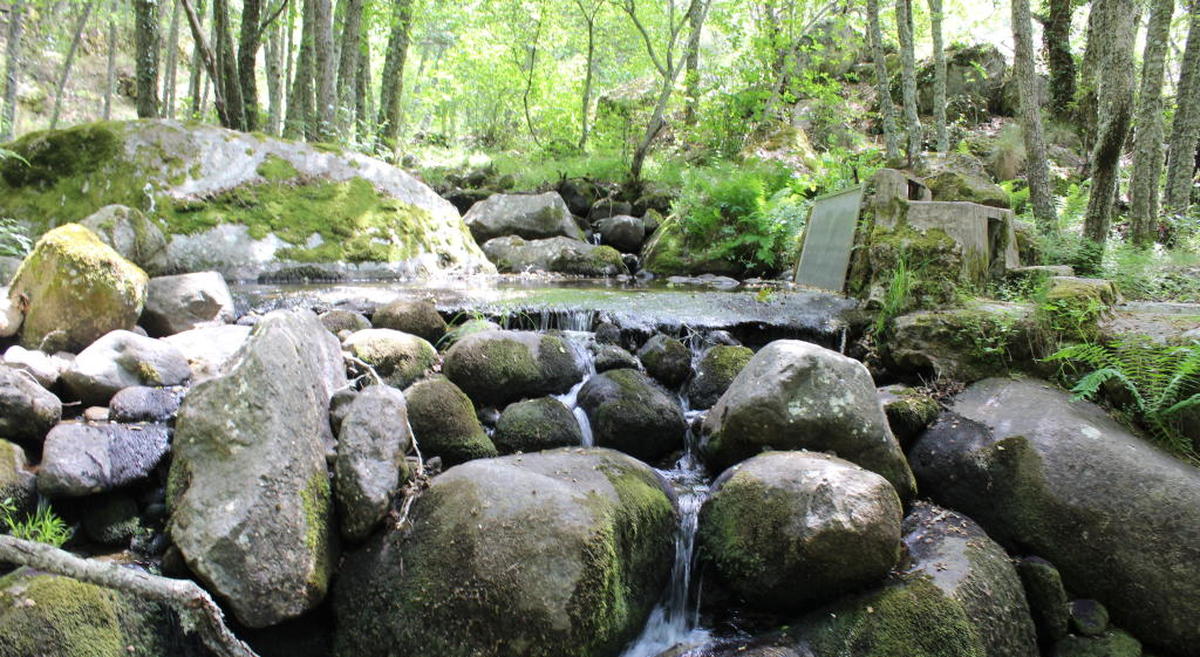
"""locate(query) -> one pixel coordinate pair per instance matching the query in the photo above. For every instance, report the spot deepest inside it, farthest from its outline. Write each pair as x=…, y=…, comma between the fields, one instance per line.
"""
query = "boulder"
x=531, y=216
x=496, y=368
x=715, y=372
x=27, y=410
x=17, y=483
x=344, y=320
x=111, y=520
x=83, y=459
x=78, y=289
x=909, y=411
x=553, y=553
x=630, y=412
x=132, y=234
x=122, y=359
x=667, y=360
x=416, y=316
x=252, y=443
x=469, y=327
x=400, y=358
x=45, y=368
x=535, y=425
x=373, y=438
x=145, y=404
x=1087, y=617
x=561, y=255
x=208, y=350
x=622, y=232
x=579, y=195
x=788, y=530
x=964, y=344
x=959, y=177
x=1118, y=517
x=608, y=207
x=444, y=422
x=797, y=395
x=1047, y=598
x=975, y=77
x=175, y=304
x=611, y=357
x=1111, y=644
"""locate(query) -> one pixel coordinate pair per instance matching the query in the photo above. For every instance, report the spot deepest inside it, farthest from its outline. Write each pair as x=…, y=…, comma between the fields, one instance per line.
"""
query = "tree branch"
x=209, y=59
x=262, y=28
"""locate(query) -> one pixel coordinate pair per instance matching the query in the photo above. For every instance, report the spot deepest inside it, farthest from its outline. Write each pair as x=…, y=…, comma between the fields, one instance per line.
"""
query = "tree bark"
x=530, y=74
x=1185, y=129
x=195, y=82
x=364, y=108
x=908, y=78
x=300, y=103
x=146, y=40
x=12, y=68
x=586, y=102
x=1036, y=170
x=275, y=79
x=393, y=75
x=66, y=69
x=210, y=63
x=1148, y=140
x=227, y=67
x=1056, y=40
x=110, y=71
x=249, y=41
x=326, y=72
x=887, y=110
x=939, y=76
x=691, y=78
x=347, y=74
x=172, y=64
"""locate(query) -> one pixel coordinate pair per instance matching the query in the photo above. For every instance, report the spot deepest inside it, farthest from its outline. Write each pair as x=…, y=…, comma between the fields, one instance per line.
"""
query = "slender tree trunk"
x=227, y=67
x=347, y=74
x=12, y=68
x=195, y=82
x=586, y=102
x=110, y=71
x=908, y=77
x=1085, y=108
x=249, y=41
x=393, y=75
x=939, y=77
x=146, y=40
x=364, y=108
x=210, y=64
x=530, y=73
x=1185, y=129
x=691, y=77
x=326, y=72
x=275, y=79
x=1148, y=140
x=289, y=49
x=66, y=69
x=172, y=64
x=1056, y=40
x=300, y=103
x=882, y=85
x=1036, y=170
x=1117, y=25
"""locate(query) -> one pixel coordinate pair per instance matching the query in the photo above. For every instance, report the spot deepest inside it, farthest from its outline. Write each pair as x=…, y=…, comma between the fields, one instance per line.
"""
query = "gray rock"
x=252, y=443
x=787, y=530
x=535, y=425
x=1116, y=516
x=17, y=483
x=909, y=411
x=444, y=422
x=338, y=320
x=469, y=327
x=579, y=195
x=631, y=413
x=563, y=255
x=611, y=357
x=373, y=438
x=207, y=350
x=531, y=216
x=1088, y=617
x=339, y=406
x=415, y=316
x=496, y=368
x=132, y=234
x=608, y=207
x=622, y=232
x=667, y=360
x=122, y=359
x=531, y=554
x=45, y=368
x=1046, y=596
x=717, y=369
x=145, y=404
x=400, y=358
x=175, y=304
x=797, y=395
x=27, y=410
x=83, y=459
x=111, y=520
x=608, y=333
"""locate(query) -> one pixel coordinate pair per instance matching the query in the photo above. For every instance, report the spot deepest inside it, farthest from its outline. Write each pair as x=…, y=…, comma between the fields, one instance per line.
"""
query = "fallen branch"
x=195, y=607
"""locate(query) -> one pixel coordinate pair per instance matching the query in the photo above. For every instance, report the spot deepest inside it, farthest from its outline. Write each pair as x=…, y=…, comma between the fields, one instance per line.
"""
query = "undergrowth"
x=41, y=526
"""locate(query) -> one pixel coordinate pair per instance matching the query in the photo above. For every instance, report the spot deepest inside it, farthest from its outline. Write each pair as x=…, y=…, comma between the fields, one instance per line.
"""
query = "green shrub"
x=42, y=526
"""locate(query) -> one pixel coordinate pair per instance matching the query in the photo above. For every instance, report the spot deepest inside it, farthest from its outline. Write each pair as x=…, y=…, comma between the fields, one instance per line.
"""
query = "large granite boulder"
x=787, y=530
x=78, y=289
x=1118, y=517
x=83, y=459
x=444, y=422
x=496, y=368
x=132, y=234
x=531, y=216
x=252, y=444
x=27, y=410
x=175, y=304
x=555, y=553
x=562, y=255
x=122, y=359
x=797, y=395
x=630, y=412
x=373, y=438
x=399, y=358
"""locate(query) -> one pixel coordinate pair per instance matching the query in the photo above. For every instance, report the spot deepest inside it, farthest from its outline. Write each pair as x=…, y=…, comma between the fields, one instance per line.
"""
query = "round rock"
x=416, y=316
x=535, y=425
x=400, y=358
x=631, y=413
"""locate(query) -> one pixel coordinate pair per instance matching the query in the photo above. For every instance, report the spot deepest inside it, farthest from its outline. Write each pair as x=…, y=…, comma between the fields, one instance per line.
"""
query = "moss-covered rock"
x=496, y=368
x=416, y=316
x=667, y=360
x=716, y=370
x=469, y=327
x=1110, y=644
x=630, y=412
x=111, y=519
x=973, y=342
x=1047, y=597
x=444, y=422
x=531, y=216
x=78, y=290
x=132, y=234
x=338, y=320
x=667, y=253
x=611, y=357
x=909, y=411
x=959, y=177
x=400, y=358
x=554, y=254
x=17, y=483
x=535, y=425
x=559, y=553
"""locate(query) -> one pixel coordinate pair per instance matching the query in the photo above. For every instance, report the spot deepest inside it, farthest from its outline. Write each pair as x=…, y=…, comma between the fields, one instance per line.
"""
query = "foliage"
x=898, y=296
x=14, y=238
x=42, y=526
x=1159, y=382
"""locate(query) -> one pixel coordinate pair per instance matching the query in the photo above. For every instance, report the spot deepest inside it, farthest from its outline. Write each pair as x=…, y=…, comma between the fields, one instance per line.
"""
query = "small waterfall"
x=580, y=343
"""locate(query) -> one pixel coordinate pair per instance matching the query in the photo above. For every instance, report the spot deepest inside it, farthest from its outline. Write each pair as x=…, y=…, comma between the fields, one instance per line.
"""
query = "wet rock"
x=78, y=288
x=252, y=442
x=1114, y=514
x=111, y=520
x=209, y=350
x=622, y=232
x=17, y=483
x=787, y=530
x=716, y=371
x=535, y=425
x=608, y=333
x=611, y=357
x=531, y=216
x=633, y=414
x=27, y=410
x=909, y=411
x=373, y=438
x=561, y=255
x=667, y=360
x=444, y=422
x=496, y=368
x=122, y=359
x=550, y=534
x=1047, y=598
x=145, y=404
x=338, y=320
x=1088, y=617
x=797, y=395
x=82, y=459
x=132, y=234
x=400, y=358
x=175, y=304
x=418, y=317
x=1111, y=644
x=45, y=368
x=964, y=344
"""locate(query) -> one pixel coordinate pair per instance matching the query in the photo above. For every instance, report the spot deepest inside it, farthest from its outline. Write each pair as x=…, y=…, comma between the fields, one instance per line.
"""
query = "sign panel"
x=829, y=240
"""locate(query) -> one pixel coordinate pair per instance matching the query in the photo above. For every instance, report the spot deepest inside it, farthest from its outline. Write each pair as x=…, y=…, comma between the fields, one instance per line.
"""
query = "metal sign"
x=829, y=239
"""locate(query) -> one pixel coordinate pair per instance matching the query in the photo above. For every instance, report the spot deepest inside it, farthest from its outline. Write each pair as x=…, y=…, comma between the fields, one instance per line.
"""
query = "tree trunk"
x=586, y=102
x=1185, y=129
x=347, y=74
x=66, y=69
x=172, y=64
x=146, y=40
x=908, y=77
x=326, y=71
x=1056, y=40
x=12, y=68
x=939, y=75
x=1084, y=106
x=882, y=85
x=195, y=83
x=1036, y=170
x=1148, y=140
x=691, y=78
x=249, y=41
x=530, y=73
x=210, y=63
x=227, y=67
x=110, y=71
x=364, y=108
x=393, y=75
x=1116, y=27
x=275, y=79
x=300, y=103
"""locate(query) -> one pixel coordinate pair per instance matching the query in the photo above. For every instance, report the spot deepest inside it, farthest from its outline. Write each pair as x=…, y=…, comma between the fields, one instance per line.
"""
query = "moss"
x=54, y=155
x=275, y=169
x=316, y=499
x=444, y=422
x=739, y=531
x=52, y=615
x=148, y=374
x=1110, y=644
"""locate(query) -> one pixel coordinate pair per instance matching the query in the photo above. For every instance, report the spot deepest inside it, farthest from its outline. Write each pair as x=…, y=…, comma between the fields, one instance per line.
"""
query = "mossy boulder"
x=469, y=327
x=531, y=216
x=111, y=520
x=562, y=255
x=373, y=438
x=667, y=253
x=630, y=412
x=400, y=358
x=1047, y=597
x=496, y=368
x=132, y=234
x=78, y=288
x=969, y=343
x=338, y=320
x=444, y=422
x=611, y=357
x=798, y=395
x=789, y=530
x=1110, y=644
x=975, y=75
x=418, y=317
x=960, y=177
x=17, y=483
x=667, y=360
x=909, y=411
x=1088, y=617
x=550, y=554
x=715, y=372
x=536, y=424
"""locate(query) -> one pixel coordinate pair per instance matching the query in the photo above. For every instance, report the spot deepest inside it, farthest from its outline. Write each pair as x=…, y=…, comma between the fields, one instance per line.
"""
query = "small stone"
x=1088, y=617
x=95, y=414
x=338, y=320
